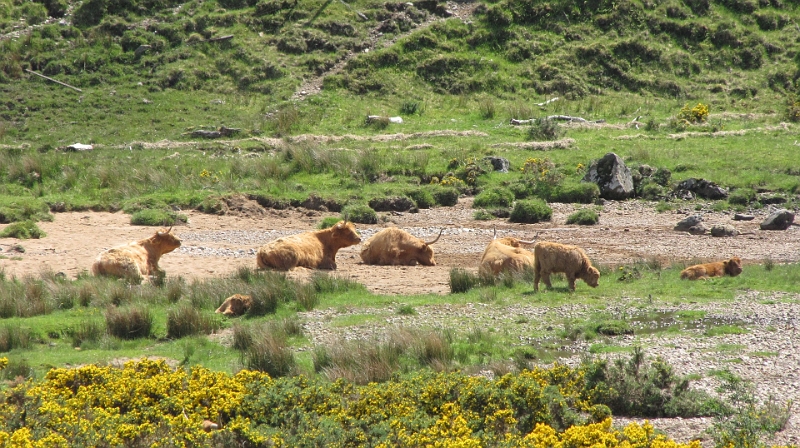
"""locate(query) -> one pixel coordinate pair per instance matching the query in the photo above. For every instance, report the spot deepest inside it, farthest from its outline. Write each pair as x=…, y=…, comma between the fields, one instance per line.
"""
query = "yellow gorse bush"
x=696, y=114
x=147, y=403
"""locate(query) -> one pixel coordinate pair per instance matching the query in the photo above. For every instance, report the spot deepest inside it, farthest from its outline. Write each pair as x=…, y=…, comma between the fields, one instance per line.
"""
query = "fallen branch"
x=547, y=102
x=53, y=80
x=221, y=132
x=516, y=122
x=221, y=38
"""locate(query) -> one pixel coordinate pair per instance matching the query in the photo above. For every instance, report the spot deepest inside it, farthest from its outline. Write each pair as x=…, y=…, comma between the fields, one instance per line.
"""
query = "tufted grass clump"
x=445, y=196
x=23, y=230
x=742, y=196
x=359, y=213
x=584, y=217
x=494, y=197
x=422, y=197
x=133, y=322
x=462, y=280
x=13, y=336
x=574, y=192
x=265, y=348
x=185, y=320
x=531, y=211
x=328, y=222
x=545, y=129
x=86, y=331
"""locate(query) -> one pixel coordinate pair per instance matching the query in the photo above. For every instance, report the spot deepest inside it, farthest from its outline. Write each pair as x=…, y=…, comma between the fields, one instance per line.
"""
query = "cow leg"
x=546, y=279
x=536, y=277
x=571, y=280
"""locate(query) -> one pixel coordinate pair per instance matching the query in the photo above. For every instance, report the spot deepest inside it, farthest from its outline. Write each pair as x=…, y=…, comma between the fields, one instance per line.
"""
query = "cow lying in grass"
x=138, y=259
x=313, y=250
x=571, y=260
x=505, y=255
x=393, y=246
x=235, y=305
x=732, y=267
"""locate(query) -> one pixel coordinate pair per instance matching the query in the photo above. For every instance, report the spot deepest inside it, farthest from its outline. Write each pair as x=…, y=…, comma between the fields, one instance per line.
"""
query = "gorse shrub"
x=696, y=114
x=531, y=211
x=584, y=217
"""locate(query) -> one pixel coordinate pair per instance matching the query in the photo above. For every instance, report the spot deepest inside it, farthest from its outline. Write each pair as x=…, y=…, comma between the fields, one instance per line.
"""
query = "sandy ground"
x=219, y=245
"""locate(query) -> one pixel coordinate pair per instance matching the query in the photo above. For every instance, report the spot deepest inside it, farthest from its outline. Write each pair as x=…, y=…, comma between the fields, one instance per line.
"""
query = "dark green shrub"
x=522, y=189
x=23, y=230
x=410, y=107
x=129, y=323
x=482, y=215
x=652, y=191
x=186, y=320
x=422, y=197
x=742, y=196
x=150, y=217
x=494, y=197
x=445, y=196
x=584, y=217
x=89, y=13
x=531, y=211
x=572, y=191
x=646, y=388
x=545, y=129
x=359, y=213
x=265, y=299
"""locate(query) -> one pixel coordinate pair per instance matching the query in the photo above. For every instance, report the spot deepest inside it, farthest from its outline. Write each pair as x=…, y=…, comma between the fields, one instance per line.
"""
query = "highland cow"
x=138, y=259
x=732, y=267
x=393, y=246
x=313, y=250
x=571, y=260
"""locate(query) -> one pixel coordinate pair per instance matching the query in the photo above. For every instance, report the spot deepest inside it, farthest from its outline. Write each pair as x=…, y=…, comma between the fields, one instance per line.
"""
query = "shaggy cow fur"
x=393, y=246
x=235, y=305
x=138, y=259
x=571, y=260
x=732, y=267
x=313, y=250
x=505, y=254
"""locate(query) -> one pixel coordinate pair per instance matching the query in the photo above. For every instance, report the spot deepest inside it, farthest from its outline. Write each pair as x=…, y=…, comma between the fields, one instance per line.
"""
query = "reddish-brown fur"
x=138, y=259
x=235, y=305
x=571, y=260
x=732, y=267
x=314, y=250
x=505, y=254
x=393, y=246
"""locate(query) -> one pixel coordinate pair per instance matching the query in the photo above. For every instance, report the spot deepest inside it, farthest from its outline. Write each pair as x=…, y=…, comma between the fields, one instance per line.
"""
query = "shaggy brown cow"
x=505, y=254
x=393, y=246
x=732, y=267
x=314, y=250
x=235, y=305
x=138, y=259
x=571, y=260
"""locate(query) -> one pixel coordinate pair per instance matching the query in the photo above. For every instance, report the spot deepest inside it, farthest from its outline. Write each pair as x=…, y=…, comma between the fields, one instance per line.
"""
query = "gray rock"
x=612, y=176
x=779, y=220
x=743, y=217
x=687, y=223
x=723, y=230
x=498, y=163
x=703, y=188
x=699, y=229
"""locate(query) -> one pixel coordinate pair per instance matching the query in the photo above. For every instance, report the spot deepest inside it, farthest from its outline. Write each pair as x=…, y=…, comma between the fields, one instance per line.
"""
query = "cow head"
x=344, y=234
x=165, y=241
x=425, y=256
x=592, y=277
x=733, y=267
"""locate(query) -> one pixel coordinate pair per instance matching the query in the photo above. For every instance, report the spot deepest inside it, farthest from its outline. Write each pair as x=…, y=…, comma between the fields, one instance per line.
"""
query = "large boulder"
x=498, y=163
x=703, y=188
x=612, y=176
x=720, y=230
x=779, y=220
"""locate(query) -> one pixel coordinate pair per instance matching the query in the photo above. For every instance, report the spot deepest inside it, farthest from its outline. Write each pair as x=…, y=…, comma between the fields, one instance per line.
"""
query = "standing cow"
x=393, y=246
x=314, y=250
x=138, y=259
x=571, y=260
x=505, y=254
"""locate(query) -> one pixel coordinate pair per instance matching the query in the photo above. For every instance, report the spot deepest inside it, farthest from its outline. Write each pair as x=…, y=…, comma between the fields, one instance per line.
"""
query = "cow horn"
x=531, y=241
x=437, y=238
x=170, y=229
x=494, y=237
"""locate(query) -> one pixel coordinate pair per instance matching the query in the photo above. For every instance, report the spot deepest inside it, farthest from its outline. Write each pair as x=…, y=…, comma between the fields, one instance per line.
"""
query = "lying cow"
x=393, y=246
x=505, y=254
x=732, y=267
x=138, y=259
x=235, y=305
x=314, y=250
x=571, y=260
